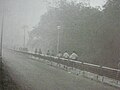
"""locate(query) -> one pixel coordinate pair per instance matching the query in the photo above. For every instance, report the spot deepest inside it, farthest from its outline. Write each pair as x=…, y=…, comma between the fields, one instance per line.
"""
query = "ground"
x=6, y=80
x=32, y=74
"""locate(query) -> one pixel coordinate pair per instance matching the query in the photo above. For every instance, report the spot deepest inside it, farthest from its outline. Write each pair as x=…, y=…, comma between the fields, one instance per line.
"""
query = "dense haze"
x=18, y=13
x=91, y=31
x=59, y=44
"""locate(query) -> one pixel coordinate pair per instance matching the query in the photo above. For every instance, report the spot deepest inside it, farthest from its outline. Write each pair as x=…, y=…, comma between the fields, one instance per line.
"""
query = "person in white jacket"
x=73, y=56
x=66, y=55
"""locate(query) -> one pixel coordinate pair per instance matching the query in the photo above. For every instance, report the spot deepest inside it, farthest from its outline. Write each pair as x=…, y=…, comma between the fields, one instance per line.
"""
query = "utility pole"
x=2, y=27
x=1, y=64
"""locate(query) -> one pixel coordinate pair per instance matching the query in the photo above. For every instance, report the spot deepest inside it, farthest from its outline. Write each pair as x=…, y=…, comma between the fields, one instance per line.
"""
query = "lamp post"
x=58, y=38
x=24, y=28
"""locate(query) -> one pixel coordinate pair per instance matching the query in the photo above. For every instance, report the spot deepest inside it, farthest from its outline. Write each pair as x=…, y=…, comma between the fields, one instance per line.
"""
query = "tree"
x=92, y=33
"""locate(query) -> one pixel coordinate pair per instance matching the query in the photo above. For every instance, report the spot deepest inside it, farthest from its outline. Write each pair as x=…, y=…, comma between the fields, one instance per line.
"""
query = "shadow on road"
x=6, y=82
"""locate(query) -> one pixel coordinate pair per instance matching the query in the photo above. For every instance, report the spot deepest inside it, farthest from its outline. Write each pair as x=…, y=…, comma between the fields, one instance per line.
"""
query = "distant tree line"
x=94, y=33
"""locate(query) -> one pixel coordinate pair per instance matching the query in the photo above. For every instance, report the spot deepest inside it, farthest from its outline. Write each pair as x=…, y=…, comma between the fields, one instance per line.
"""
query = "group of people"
x=38, y=51
x=65, y=55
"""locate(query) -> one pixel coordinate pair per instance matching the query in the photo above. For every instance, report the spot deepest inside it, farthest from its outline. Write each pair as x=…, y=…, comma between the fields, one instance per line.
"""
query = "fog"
x=18, y=13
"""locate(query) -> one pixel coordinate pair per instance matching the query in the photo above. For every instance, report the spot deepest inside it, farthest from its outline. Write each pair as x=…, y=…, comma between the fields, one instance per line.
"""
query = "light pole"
x=24, y=28
x=58, y=38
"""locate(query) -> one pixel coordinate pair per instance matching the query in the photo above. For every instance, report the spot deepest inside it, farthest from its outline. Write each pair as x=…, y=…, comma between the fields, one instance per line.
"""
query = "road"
x=34, y=75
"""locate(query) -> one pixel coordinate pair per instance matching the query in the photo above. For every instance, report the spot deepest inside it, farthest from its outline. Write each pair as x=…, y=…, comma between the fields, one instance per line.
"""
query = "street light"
x=58, y=38
x=24, y=28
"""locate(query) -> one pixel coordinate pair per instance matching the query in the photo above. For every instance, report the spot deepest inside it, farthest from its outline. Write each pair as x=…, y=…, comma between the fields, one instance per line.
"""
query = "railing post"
x=101, y=69
x=83, y=68
x=100, y=75
x=67, y=65
x=50, y=61
x=73, y=65
x=58, y=62
x=117, y=76
x=97, y=76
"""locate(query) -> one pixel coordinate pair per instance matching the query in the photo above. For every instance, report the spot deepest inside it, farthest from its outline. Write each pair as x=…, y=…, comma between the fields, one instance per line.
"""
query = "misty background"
x=18, y=13
x=91, y=28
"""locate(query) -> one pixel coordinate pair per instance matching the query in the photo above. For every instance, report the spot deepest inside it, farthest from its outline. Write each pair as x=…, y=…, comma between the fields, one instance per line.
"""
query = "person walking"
x=48, y=52
x=36, y=51
x=59, y=55
x=66, y=56
x=52, y=53
x=40, y=52
x=73, y=56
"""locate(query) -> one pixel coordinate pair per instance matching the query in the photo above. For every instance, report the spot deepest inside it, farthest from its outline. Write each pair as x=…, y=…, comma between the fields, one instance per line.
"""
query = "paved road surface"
x=34, y=75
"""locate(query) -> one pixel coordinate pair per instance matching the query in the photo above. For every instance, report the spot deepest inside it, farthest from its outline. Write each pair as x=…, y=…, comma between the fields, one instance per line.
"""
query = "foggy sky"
x=24, y=12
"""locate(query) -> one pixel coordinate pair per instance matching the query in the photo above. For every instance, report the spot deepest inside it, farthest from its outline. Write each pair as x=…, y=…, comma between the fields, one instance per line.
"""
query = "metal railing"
x=96, y=69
